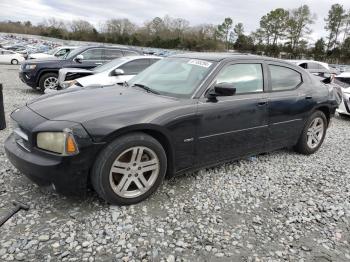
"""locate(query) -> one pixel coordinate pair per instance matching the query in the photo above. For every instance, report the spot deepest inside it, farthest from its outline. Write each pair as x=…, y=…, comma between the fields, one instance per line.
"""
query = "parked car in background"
x=116, y=71
x=58, y=52
x=343, y=81
x=182, y=113
x=44, y=73
x=10, y=57
x=315, y=66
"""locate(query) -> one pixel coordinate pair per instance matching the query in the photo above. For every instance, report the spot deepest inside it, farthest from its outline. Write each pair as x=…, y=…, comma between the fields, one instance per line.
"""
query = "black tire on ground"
x=302, y=146
x=43, y=78
x=104, y=161
x=14, y=62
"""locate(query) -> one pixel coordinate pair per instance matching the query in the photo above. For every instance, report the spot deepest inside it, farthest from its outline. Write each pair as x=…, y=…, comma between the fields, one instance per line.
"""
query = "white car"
x=343, y=80
x=57, y=52
x=314, y=66
x=10, y=57
x=116, y=71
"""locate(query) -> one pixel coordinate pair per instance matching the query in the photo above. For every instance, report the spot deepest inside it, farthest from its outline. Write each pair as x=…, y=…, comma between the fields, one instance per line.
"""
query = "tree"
x=334, y=24
x=224, y=29
x=298, y=26
x=345, y=50
x=319, y=49
x=273, y=25
x=239, y=29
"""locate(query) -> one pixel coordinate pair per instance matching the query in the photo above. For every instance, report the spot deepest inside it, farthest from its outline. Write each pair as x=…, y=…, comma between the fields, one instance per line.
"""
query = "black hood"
x=45, y=61
x=85, y=104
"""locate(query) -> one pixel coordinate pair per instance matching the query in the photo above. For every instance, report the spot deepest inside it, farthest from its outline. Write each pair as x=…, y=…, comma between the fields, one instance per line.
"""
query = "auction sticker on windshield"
x=201, y=63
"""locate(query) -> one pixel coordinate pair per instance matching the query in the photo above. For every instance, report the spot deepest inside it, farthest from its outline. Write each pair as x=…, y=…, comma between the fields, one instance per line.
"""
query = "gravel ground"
x=274, y=207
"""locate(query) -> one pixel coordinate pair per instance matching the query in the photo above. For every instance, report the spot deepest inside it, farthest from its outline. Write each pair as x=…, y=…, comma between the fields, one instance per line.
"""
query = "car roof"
x=307, y=61
x=220, y=56
x=67, y=46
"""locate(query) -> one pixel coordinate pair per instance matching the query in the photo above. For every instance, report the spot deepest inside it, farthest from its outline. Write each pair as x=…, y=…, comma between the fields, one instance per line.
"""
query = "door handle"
x=98, y=63
x=308, y=97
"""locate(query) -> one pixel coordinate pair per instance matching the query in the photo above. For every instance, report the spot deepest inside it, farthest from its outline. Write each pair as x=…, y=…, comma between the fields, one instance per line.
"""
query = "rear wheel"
x=313, y=134
x=14, y=62
x=129, y=169
x=48, y=81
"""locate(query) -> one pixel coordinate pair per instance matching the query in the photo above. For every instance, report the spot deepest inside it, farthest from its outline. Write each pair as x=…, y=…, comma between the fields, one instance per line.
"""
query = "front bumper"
x=344, y=107
x=67, y=174
x=27, y=78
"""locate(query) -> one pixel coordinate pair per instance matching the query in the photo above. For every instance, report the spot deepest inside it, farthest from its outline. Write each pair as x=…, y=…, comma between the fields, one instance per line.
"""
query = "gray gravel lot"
x=274, y=207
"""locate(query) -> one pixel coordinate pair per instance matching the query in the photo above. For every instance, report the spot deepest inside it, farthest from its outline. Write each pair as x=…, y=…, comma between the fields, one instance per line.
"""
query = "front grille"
x=22, y=139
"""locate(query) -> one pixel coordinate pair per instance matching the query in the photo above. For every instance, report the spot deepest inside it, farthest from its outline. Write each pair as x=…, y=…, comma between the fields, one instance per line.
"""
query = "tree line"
x=281, y=33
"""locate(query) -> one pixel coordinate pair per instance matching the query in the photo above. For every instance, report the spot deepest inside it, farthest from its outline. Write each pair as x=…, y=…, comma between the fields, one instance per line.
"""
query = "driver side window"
x=246, y=78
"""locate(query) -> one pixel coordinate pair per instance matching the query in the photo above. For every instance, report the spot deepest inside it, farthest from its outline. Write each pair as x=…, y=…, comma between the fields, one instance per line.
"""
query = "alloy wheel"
x=134, y=172
x=51, y=83
x=315, y=132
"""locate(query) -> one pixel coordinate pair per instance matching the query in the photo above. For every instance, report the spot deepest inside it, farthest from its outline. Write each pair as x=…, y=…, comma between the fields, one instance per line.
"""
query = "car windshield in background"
x=52, y=51
x=177, y=77
x=110, y=65
x=342, y=81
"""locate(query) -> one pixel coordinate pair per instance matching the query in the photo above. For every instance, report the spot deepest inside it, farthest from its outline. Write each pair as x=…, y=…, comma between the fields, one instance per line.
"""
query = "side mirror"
x=222, y=89
x=117, y=72
x=79, y=58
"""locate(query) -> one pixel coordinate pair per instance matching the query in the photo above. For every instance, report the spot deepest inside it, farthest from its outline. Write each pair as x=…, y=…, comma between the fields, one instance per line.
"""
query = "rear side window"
x=110, y=54
x=135, y=67
x=93, y=54
x=283, y=78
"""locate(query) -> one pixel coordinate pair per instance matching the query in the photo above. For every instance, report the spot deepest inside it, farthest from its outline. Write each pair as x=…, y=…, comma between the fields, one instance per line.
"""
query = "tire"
x=305, y=141
x=14, y=62
x=46, y=79
x=124, y=192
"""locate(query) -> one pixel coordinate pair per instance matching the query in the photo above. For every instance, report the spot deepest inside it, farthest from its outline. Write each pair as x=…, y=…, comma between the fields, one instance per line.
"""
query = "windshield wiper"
x=148, y=89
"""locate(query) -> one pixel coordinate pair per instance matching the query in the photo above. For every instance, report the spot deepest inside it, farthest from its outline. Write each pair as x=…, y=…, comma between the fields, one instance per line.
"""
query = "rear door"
x=289, y=102
x=110, y=54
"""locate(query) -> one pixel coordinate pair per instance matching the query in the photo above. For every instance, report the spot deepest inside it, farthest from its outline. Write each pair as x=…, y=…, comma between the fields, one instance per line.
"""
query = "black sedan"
x=183, y=113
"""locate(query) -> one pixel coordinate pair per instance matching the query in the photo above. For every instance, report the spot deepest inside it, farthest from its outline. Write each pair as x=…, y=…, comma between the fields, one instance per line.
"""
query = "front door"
x=234, y=126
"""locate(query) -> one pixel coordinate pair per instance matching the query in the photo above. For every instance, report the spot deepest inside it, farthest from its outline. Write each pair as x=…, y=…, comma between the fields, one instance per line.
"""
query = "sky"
x=196, y=12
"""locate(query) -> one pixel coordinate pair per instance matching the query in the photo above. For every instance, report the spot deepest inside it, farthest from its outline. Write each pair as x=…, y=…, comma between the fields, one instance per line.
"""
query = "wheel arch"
x=326, y=110
x=45, y=71
x=157, y=132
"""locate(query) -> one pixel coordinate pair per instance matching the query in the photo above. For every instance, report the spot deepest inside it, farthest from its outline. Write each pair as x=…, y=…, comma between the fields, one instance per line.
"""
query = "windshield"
x=52, y=51
x=342, y=81
x=178, y=77
x=110, y=65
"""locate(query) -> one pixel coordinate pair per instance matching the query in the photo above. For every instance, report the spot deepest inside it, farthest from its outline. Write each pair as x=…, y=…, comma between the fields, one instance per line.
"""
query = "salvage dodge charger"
x=182, y=113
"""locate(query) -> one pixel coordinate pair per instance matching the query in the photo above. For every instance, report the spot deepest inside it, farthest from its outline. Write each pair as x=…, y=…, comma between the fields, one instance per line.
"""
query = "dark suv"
x=44, y=73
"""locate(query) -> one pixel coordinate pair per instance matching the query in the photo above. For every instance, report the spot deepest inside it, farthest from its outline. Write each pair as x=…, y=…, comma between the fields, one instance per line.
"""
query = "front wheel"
x=313, y=134
x=48, y=81
x=129, y=169
x=14, y=62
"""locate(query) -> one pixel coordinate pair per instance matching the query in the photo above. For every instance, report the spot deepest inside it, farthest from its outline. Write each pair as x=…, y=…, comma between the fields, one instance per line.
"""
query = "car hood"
x=84, y=104
x=102, y=79
x=72, y=71
x=47, y=60
x=41, y=55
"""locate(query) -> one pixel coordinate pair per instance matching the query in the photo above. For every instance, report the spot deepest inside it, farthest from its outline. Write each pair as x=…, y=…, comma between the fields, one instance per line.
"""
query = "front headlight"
x=67, y=84
x=58, y=142
x=30, y=67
